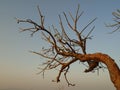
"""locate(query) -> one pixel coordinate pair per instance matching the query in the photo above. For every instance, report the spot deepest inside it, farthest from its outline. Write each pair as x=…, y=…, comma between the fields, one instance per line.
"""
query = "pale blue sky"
x=18, y=67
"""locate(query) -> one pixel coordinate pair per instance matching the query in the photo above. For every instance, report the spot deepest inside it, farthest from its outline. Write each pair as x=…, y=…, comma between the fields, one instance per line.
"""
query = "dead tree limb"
x=64, y=50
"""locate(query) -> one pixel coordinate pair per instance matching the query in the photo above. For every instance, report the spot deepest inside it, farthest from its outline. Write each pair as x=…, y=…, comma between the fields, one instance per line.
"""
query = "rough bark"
x=113, y=69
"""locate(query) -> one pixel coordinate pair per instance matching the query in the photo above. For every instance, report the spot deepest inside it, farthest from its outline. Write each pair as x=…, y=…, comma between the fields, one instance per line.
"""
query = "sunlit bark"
x=114, y=70
x=65, y=50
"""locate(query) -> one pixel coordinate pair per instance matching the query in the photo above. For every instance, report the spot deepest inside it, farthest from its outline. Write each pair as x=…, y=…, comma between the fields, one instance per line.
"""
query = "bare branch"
x=77, y=12
x=71, y=16
x=62, y=51
x=116, y=19
x=64, y=34
x=42, y=18
x=87, y=25
x=65, y=74
x=67, y=21
x=64, y=66
x=89, y=33
x=26, y=29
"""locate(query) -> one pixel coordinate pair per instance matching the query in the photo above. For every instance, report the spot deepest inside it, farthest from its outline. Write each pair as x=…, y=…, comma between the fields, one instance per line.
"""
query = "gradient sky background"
x=18, y=67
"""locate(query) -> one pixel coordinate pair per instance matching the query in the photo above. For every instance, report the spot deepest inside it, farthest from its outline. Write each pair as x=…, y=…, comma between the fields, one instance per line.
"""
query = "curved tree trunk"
x=113, y=69
x=60, y=46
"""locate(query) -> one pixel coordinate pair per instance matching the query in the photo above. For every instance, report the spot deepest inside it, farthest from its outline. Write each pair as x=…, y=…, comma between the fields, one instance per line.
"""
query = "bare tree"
x=116, y=19
x=65, y=50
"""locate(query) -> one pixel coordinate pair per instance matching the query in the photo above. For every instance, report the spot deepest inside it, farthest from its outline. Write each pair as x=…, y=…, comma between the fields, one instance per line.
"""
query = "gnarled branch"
x=64, y=50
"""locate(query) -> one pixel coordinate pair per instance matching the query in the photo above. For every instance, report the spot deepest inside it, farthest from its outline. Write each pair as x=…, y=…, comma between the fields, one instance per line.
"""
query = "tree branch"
x=63, y=51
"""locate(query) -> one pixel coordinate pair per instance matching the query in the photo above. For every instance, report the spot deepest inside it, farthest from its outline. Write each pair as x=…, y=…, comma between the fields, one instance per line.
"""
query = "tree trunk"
x=113, y=69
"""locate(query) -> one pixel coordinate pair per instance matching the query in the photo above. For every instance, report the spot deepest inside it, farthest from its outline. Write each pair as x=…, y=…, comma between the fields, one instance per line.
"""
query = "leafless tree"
x=116, y=19
x=65, y=50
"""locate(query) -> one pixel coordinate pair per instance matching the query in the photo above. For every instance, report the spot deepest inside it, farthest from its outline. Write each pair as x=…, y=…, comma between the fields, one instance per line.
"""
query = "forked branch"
x=63, y=50
x=116, y=19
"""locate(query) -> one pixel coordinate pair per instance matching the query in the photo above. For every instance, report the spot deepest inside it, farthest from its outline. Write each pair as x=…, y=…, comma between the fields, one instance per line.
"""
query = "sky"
x=18, y=67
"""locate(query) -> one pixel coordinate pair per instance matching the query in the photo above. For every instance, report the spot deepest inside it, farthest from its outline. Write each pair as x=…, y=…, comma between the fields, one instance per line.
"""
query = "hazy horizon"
x=18, y=67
